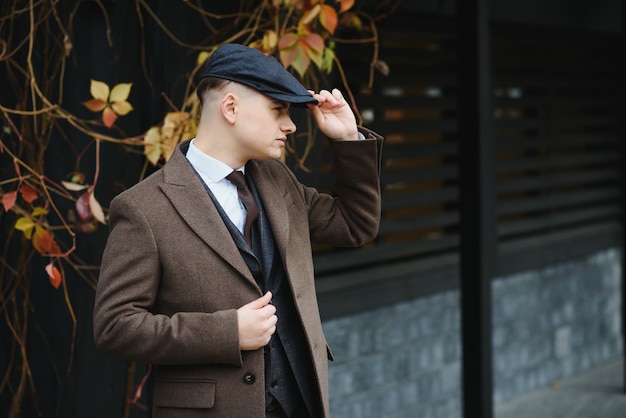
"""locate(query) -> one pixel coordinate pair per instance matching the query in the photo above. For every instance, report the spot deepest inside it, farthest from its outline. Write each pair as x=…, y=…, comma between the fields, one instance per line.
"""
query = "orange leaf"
x=328, y=18
x=311, y=14
x=44, y=243
x=8, y=200
x=54, y=275
x=95, y=105
x=29, y=193
x=108, y=117
x=345, y=5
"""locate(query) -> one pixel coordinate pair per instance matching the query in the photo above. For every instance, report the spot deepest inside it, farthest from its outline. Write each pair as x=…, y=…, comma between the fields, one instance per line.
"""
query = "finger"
x=260, y=302
x=337, y=94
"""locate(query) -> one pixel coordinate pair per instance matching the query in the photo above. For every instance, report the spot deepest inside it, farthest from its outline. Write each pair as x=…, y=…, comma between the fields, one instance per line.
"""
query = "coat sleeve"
x=125, y=325
x=351, y=216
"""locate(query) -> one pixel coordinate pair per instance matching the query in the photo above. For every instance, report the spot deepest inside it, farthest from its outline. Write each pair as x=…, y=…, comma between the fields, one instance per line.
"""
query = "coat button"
x=249, y=378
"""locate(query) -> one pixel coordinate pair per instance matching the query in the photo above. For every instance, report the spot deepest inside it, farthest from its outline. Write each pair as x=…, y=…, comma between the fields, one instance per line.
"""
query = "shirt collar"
x=207, y=165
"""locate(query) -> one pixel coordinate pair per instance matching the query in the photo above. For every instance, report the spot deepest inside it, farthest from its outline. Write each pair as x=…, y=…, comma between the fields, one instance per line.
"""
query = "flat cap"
x=252, y=68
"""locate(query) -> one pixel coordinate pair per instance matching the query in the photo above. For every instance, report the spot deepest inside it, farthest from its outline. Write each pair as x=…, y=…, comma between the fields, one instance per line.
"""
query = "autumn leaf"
x=152, y=145
x=44, y=242
x=99, y=90
x=298, y=50
x=120, y=92
x=96, y=209
x=112, y=102
x=345, y=5
x=29, y=193
x=82, y=207
x=38, y=211
x=8, y=200
x=177, y=126
x=351, y=20
x=202, y=57
x=109, y=117
x=74, y=187
x=54, y=275
x=26, y=226
x=328, y=18
x=308, y=17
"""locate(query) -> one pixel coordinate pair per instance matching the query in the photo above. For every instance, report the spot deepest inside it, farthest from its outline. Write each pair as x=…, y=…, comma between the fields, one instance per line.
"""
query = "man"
x=226, y=311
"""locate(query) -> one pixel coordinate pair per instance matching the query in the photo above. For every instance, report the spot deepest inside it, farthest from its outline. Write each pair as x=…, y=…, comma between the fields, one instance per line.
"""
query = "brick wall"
x=404, y=360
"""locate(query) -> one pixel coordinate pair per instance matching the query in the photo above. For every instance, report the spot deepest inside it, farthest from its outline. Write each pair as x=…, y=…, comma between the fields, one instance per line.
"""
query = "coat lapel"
x=273, y=198
x=192, y=202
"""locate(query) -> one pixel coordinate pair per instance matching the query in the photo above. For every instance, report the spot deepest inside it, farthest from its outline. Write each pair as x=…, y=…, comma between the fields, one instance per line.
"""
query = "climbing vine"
x=42, y=215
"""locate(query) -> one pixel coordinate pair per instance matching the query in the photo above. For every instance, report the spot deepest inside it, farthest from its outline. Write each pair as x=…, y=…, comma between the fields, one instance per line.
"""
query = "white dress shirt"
x=213, y=172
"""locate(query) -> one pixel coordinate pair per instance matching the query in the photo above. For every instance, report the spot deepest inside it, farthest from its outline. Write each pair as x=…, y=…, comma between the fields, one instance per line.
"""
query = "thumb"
x=260, y=302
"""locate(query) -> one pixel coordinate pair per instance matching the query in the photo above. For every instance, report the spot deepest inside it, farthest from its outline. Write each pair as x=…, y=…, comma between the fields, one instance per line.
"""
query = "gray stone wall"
x=405, y=360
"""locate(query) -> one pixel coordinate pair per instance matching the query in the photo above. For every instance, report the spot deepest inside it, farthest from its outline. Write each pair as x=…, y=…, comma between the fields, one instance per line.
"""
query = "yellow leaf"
x=26, y=226
x=152, y=147
x=317, y=57
x=121, y=108
x=328, y=60
x=96, y=209
x=177, y=126
x=38, y=210
x=120, y=92
x=202, y=57
x=99, y=90
x=270, y=39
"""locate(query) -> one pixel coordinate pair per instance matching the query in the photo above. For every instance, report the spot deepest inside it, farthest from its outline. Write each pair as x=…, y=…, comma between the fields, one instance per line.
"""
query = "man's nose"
x=288, y=126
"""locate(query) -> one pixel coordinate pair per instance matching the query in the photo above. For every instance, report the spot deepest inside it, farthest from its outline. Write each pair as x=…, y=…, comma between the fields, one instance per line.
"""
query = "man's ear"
x=228, y=106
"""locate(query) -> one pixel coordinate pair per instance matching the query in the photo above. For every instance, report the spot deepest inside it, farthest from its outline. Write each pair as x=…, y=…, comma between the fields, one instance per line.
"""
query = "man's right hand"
x=257, y=323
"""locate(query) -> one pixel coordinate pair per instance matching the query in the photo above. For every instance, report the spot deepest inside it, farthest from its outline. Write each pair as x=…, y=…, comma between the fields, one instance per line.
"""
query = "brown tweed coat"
x=172, y=277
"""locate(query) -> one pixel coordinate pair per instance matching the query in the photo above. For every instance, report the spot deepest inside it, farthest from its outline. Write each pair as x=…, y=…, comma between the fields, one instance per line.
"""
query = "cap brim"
x=295, y=100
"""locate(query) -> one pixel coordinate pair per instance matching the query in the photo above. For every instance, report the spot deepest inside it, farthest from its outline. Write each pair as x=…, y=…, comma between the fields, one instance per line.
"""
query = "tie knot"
x=237, y=178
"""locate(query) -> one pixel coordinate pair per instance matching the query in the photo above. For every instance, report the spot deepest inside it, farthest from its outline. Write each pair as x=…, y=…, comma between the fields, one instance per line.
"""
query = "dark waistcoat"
x=289, y=374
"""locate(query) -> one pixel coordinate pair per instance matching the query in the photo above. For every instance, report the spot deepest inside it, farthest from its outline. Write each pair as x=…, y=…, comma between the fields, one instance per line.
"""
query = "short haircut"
x=210, y=83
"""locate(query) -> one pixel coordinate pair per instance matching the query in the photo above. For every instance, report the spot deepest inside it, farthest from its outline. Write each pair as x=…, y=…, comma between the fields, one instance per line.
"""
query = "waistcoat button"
x=249, y=378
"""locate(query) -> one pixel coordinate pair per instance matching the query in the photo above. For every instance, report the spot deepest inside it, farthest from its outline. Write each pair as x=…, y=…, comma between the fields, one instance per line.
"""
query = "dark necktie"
x=238, y=179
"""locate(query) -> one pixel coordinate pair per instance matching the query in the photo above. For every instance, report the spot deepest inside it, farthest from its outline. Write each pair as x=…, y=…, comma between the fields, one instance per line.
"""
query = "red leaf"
x=8, y=200
x=29, y=193
x=54, y=275
x=108, y=117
